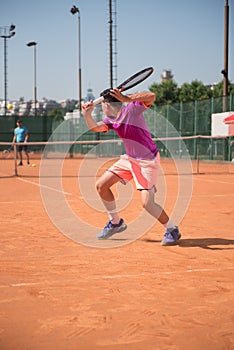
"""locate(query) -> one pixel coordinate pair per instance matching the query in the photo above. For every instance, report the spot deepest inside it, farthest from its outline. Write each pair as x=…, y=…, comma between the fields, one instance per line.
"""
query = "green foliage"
x=168, y=91
x=218, y=89
x=56, y=114
x=194, y=91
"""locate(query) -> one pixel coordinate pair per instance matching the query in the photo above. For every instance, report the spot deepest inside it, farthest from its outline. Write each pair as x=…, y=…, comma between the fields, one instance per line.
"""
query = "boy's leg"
x=172, y=234
x=116, y=224
x=103, y=185
x=154, y=209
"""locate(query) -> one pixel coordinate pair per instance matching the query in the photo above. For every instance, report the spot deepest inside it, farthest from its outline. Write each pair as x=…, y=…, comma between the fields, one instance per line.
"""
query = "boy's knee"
x=99, y=187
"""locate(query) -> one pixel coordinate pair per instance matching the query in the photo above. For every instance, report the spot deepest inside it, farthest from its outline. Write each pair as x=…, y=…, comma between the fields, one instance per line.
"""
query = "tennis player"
x=21, y=135
x=124, y=115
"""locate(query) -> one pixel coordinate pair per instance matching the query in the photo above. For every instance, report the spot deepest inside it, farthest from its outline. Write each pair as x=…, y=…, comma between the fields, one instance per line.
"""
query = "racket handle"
x=98, y=100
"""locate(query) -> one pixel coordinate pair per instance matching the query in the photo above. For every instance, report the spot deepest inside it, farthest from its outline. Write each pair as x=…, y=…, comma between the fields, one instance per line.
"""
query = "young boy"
x=140, y=162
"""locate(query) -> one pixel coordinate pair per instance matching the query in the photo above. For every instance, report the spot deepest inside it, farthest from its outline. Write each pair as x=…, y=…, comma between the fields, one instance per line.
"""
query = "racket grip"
x=98, y=100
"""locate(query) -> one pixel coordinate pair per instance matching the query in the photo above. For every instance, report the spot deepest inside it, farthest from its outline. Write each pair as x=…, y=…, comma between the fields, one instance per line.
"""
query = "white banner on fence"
x=222, y=124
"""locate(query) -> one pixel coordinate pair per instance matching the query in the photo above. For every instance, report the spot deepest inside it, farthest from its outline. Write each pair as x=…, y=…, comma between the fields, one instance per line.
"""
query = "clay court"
x=59, y=294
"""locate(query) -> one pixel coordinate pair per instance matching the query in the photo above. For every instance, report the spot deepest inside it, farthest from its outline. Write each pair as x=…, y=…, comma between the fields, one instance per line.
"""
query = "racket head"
x=136, y=79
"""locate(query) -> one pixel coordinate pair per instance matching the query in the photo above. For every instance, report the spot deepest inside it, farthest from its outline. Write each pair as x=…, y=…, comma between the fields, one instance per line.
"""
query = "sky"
x=184, y=36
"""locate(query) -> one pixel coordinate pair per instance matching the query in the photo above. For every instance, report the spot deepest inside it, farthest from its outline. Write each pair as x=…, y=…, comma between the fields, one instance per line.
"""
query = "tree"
x=218, y=89
x=56, y=114
x=194, y=91
x=166, y=92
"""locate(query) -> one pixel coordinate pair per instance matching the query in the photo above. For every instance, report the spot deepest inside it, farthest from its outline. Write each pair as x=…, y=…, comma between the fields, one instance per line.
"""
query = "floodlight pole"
x=6, y=36
x=75, y=10
x=79, y=40
x=110, y=43
x=5, y=75
x=33, y=43
x=225, y=69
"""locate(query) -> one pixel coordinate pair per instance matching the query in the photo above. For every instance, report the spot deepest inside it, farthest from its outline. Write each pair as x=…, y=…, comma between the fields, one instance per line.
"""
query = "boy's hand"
x=88, y=106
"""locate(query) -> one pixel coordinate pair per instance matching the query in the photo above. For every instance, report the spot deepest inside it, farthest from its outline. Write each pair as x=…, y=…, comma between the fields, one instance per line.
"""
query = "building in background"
x=166, y=75
x=89, y=96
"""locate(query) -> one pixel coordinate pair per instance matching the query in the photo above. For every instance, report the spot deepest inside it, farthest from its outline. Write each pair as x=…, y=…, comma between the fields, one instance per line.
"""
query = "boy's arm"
x=94, y=126
x=146, y=97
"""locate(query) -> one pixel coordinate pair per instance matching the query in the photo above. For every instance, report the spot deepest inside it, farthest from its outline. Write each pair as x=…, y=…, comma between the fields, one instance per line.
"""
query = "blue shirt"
x=20, y=133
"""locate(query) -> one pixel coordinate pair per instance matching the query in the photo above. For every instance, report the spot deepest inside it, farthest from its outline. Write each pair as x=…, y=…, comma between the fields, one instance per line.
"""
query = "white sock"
x=114, y=216
x=169, y=225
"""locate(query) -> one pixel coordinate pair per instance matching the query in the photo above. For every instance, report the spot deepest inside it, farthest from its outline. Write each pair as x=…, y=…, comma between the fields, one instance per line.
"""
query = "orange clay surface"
x=59, y=294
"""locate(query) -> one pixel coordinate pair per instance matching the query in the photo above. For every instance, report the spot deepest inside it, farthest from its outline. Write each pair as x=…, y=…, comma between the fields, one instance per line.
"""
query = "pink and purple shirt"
x=131, y=127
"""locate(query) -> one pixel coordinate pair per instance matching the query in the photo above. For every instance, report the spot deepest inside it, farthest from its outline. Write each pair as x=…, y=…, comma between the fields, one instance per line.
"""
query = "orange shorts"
x=144, y=172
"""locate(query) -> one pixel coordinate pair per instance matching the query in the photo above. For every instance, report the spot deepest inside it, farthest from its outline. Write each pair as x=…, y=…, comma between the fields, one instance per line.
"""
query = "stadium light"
x=8, y=32
x=75, y=10
x=29, y=44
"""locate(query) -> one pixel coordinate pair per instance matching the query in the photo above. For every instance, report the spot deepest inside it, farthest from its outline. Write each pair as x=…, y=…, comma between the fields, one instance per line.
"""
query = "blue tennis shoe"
x=111, y=229
x=171, y=236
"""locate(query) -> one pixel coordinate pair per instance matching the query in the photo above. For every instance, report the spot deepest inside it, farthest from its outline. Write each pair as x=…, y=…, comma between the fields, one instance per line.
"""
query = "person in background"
x=21, y=135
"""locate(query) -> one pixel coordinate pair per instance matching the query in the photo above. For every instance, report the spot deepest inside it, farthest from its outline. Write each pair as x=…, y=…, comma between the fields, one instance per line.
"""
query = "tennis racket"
x=134, y=80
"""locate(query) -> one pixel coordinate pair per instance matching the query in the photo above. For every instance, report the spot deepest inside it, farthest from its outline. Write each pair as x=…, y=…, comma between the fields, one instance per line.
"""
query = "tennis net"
x=204, y=154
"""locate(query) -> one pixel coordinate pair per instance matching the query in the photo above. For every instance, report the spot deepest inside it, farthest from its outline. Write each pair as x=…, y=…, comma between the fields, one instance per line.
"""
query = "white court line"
x=143, y=274
x=44, y=186
x=39, y=185
x=216, y=181
x=13, y=202
x=200, y=195
x=223, y=195
x=23, y=284
x=167, y=273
